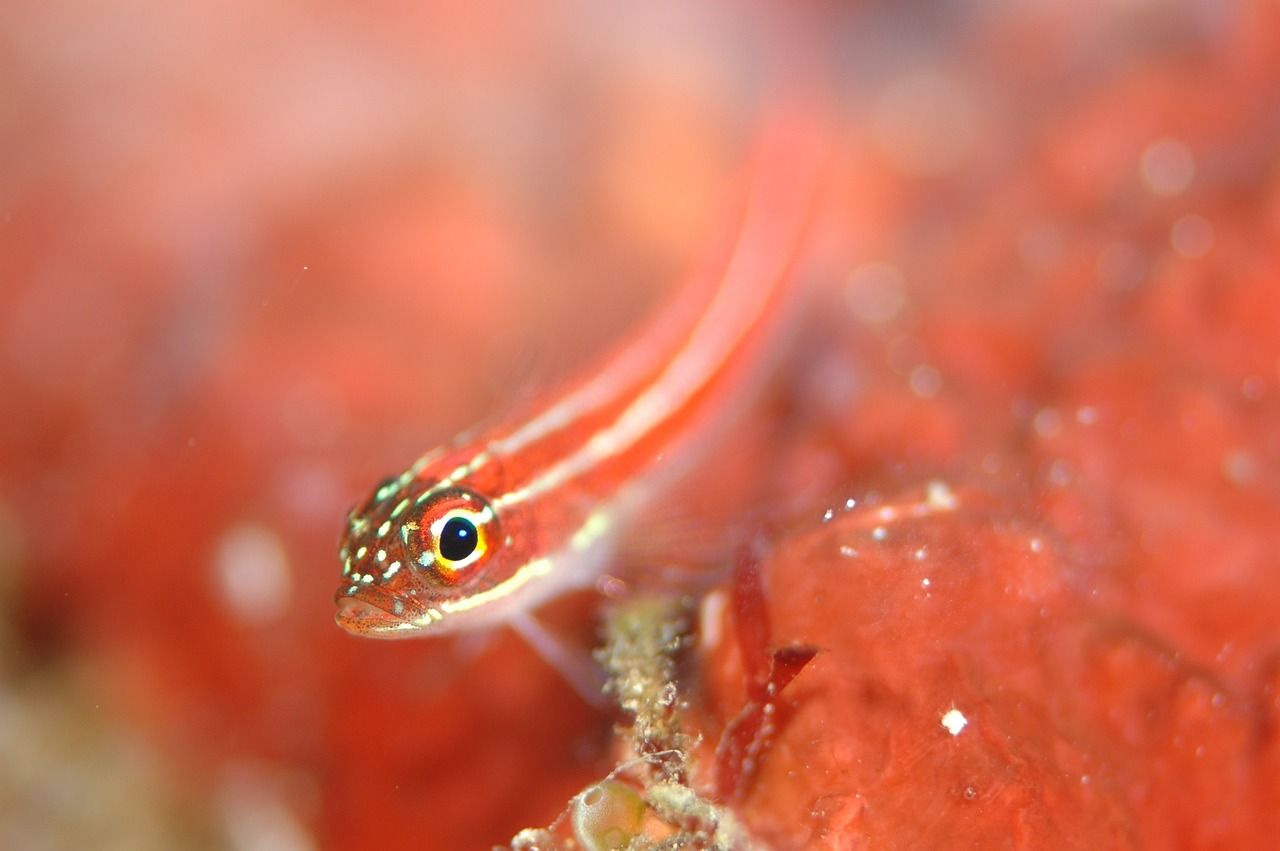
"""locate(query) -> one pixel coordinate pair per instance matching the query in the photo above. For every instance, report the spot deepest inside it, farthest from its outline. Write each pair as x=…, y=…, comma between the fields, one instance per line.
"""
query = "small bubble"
x=1060, y=474
x=925, y=381
x=876, y=292
x=1191, y=236
x=925, y=583
x=1167, y=167
x=1047, y=423
x=879, y=533
x=1240, y=467
x=850, y=503
x=828, y=515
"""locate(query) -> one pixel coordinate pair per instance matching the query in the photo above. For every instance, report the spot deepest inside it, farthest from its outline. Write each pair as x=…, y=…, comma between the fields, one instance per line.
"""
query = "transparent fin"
x=577, y=667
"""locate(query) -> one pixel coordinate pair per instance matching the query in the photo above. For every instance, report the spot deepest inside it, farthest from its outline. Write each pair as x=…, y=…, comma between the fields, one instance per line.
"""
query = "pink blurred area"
x=257, y=256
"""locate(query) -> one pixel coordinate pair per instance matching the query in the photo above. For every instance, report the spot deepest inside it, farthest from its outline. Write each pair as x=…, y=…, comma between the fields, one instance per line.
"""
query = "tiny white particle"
x=848, y=551
x=888, y=514
x=828, y=515
x=879, y=533
x=1036, y=545
x=939, y=496
x=954, y=721
x=925, y=583
x=920, y=554
x=850, y=503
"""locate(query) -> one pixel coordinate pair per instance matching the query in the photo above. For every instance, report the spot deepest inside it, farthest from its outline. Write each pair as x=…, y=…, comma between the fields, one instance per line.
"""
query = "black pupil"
x=457, y=539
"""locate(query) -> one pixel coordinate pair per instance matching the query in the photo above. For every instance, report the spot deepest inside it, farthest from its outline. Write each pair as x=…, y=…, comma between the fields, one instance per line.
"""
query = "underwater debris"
x=647, y=803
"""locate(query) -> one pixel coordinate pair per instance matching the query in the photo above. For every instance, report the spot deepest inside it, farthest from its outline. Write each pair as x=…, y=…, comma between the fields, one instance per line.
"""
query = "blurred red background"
x=254, y=257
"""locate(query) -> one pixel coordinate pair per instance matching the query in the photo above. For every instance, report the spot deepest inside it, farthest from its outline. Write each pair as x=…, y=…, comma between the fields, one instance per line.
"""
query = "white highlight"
x=953, y=721
x=252, y=572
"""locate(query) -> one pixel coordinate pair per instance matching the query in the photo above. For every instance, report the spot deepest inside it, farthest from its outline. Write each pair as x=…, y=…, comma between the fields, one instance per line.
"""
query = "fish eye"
x=452, y=535
x=458, y=538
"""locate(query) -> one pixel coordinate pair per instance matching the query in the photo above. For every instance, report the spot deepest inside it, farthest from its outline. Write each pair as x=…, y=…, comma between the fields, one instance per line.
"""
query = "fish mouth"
x=369, y=620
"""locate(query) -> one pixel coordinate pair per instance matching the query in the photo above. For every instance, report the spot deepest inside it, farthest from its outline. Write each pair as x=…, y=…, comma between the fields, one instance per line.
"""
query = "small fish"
x=478, y=534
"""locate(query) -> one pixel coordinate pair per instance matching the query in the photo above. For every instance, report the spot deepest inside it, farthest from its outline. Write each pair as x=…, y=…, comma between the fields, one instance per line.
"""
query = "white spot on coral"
x=879, y=533
x=954, y=721
x=252, y=572
x=1036, y=545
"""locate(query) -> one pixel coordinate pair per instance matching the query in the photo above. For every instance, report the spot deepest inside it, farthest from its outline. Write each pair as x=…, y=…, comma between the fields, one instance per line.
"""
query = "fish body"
x=482, y=531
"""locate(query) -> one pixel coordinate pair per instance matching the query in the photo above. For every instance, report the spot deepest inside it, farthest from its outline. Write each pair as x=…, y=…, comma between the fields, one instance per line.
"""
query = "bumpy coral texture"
x=1020, y=466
